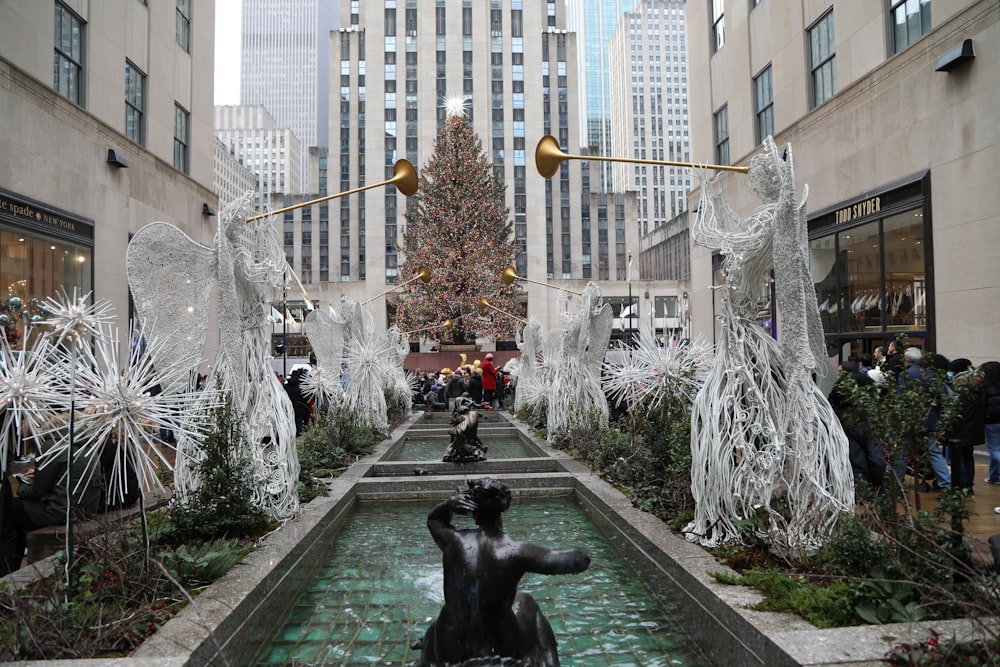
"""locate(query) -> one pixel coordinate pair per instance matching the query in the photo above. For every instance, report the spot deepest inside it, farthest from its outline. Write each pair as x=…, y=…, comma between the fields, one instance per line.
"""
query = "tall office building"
x=890, y=109
x=278, y=67
x=514, y=62
x=595, y=22
x=648, y=109
x=268, y=150
x=231, y=179
x=115, y=135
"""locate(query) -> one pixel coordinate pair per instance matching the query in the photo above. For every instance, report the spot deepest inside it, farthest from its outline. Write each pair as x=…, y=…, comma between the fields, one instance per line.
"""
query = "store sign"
x=861, y=209
x=44, y=219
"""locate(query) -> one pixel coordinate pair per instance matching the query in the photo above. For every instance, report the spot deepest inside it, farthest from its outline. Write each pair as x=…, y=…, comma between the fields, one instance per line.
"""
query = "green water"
x=380, y=588
x=426, y=448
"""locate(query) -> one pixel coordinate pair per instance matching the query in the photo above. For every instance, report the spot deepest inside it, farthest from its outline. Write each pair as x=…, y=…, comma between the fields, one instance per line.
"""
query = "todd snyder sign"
x=862, y=209
x=30, y=214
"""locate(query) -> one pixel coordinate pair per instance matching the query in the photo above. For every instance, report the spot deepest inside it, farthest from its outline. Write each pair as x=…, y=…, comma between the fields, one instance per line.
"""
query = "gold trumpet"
x=485, y=305
x=447, y=324
x=509, y=276
x=404, y=177
x=548, y=156
x=423, y=275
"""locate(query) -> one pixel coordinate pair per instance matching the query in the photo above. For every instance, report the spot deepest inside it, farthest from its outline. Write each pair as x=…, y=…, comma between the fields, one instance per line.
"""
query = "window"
x=823, y=71
x=181, y=139
x=184, y=24
x=763, y=99
x=908, y=20
x=722, y=135
x=67, y=70
x=135, y=103
x=718, y=25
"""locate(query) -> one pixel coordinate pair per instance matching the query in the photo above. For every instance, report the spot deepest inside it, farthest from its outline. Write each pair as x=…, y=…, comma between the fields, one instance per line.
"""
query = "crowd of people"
x=958, y=406
x=485, y=384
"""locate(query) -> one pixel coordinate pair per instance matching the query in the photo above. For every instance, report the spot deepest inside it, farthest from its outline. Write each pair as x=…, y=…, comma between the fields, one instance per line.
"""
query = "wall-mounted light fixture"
x=116, y=159
x=955, y=56
x=206, y=209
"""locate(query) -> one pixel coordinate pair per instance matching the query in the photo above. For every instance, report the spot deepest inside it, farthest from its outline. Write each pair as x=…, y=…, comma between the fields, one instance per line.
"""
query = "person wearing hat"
x=489, y=382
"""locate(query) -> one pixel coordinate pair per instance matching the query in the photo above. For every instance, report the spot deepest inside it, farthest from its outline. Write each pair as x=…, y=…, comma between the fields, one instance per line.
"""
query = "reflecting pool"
x=380, y=587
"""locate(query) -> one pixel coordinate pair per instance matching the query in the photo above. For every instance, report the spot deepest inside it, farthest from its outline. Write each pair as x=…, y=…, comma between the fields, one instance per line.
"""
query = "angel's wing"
x=171, y=277
x=327, y=340
x=598, y=336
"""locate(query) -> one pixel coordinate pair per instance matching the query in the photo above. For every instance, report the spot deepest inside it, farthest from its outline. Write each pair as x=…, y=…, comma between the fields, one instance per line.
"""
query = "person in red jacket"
x=489, y=382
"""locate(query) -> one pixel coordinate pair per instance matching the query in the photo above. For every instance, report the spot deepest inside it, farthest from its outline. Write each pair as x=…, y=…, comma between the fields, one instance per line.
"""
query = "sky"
x=227, y=51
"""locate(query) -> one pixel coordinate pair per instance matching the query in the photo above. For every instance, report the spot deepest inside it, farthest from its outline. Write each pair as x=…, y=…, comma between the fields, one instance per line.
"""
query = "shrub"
x=223, y=505
x=118, y=598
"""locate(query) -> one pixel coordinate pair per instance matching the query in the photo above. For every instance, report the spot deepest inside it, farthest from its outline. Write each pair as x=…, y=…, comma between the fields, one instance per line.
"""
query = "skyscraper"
x=278, y=66
x=594, y=22
x=268, y=150
x=648, y=109
x=514, y=63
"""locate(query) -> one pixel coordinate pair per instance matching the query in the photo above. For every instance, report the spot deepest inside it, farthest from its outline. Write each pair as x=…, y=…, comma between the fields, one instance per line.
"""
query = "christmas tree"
x=458, y=227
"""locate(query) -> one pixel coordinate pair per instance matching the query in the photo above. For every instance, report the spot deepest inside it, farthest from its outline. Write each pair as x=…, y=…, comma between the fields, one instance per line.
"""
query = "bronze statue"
x=465, y=445
x=484, y=616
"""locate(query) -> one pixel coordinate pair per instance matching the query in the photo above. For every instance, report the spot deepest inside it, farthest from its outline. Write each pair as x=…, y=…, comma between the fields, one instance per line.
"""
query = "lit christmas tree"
x=458, y=227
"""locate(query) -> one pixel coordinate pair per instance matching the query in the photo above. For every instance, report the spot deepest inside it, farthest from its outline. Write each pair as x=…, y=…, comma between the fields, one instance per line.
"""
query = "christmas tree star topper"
x=455, y=106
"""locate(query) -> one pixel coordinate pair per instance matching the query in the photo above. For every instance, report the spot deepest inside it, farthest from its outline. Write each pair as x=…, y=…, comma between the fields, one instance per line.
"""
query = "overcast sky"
x=227, y=51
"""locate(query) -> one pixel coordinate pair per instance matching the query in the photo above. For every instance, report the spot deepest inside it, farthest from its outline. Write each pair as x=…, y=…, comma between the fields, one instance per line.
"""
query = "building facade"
x=271, y=152
x=279, y=69
x=648, y=109
x=117, y=134
x=230, y=178
x=890, y=110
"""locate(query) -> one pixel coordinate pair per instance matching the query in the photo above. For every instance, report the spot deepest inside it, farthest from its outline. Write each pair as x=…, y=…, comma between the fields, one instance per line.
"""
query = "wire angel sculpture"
x=762, y=431
x=371, y=365
x=322, y=382
x=650, y=372
x=527, y=374
x=574, y=356
x=172, y=278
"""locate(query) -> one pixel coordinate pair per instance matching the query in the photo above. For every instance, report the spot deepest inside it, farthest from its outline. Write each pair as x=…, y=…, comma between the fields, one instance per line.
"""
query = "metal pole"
x=628, y=277
x=284, y=328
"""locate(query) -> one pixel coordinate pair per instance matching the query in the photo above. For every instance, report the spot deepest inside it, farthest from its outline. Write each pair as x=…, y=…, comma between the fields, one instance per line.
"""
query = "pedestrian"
x=489, y=382
x=969, y=430
x=991, y=416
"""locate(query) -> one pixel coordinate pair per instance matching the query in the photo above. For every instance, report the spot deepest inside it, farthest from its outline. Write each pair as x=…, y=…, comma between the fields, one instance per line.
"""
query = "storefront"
x=42, y=250
x=872, y=265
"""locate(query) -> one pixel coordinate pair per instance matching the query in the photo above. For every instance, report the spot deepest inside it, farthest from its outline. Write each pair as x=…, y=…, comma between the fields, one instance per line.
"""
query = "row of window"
x=67, y=77
x=909, y=20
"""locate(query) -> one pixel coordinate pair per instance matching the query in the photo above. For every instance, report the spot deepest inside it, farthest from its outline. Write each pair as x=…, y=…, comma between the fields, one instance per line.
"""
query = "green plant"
x=882, y=600
x=202, y=563
x=827, y=604
x=119, y=601
x=222, y=505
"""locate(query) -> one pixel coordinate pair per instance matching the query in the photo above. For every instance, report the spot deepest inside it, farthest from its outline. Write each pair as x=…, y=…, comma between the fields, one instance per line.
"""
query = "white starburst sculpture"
x=172, y=278
x=650, y=372
x=761, y=429
x=120, y=406
x=28, y=394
